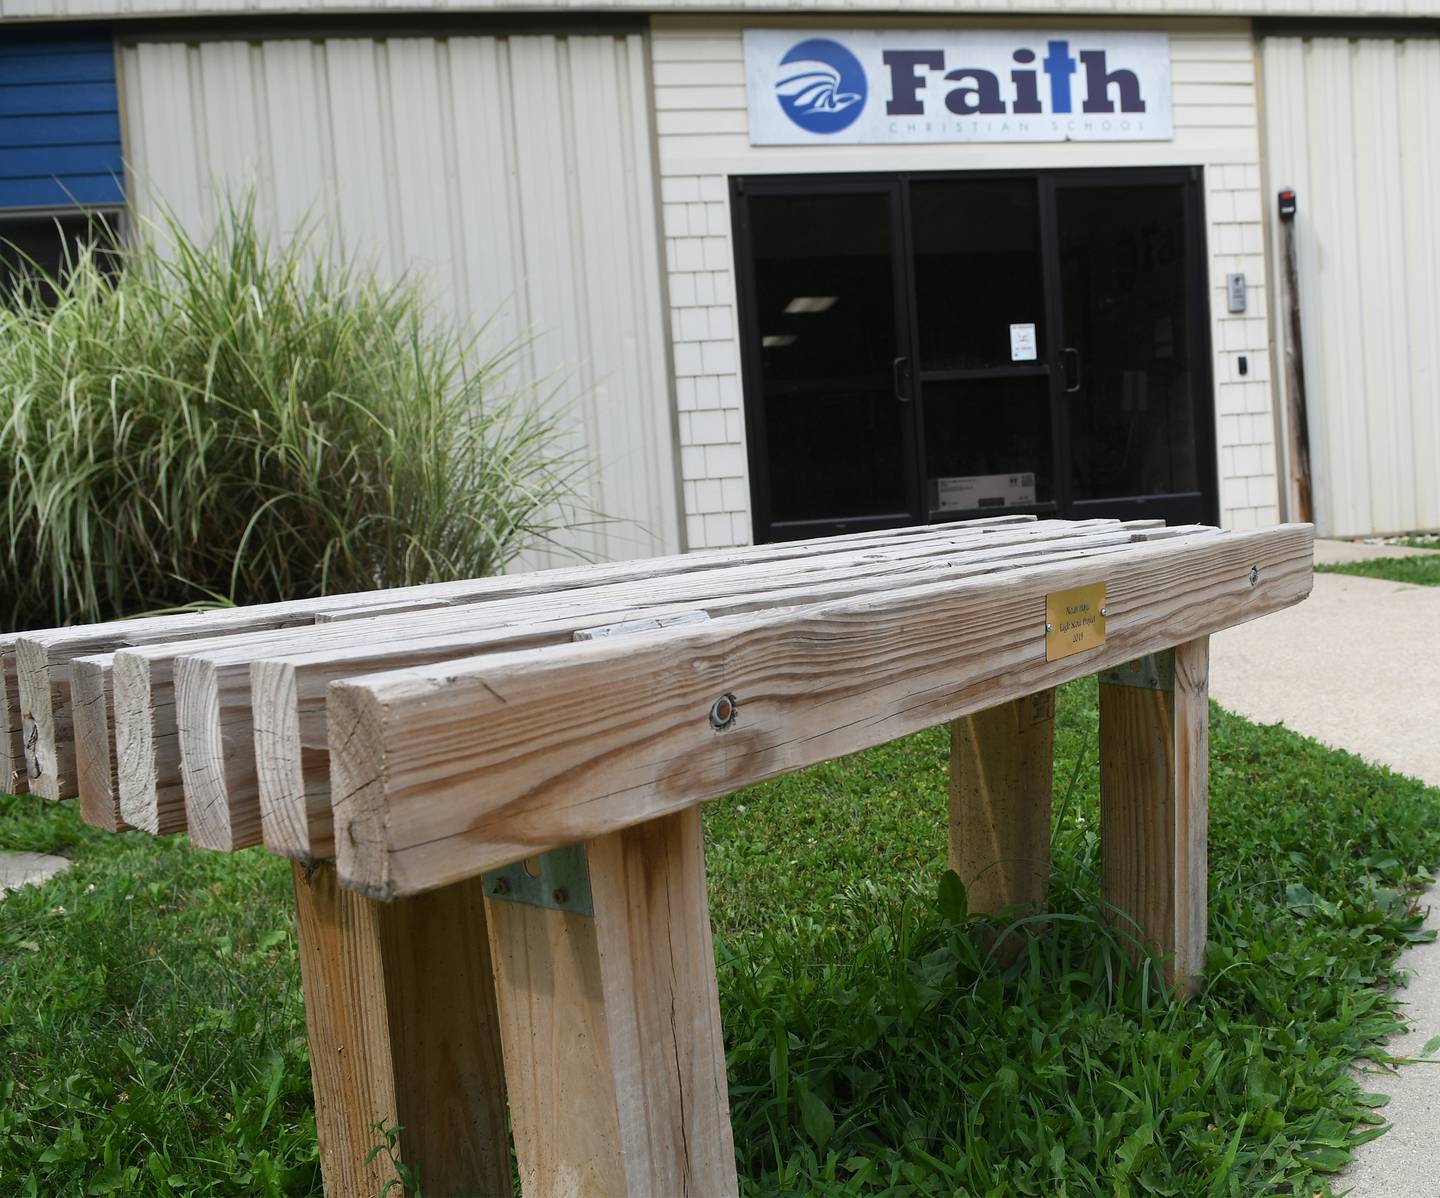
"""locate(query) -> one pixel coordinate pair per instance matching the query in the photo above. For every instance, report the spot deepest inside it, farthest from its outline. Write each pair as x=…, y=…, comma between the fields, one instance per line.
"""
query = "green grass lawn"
x=1421, y=540
x=1422, y=569
x=151, y=1022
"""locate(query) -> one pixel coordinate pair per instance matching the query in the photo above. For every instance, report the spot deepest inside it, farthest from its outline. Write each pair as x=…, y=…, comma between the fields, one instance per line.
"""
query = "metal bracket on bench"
x=559, y=880
x=1153, y=672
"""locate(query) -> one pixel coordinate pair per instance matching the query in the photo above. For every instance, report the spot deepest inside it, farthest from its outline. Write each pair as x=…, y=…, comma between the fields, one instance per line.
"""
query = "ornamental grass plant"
x=229, y=419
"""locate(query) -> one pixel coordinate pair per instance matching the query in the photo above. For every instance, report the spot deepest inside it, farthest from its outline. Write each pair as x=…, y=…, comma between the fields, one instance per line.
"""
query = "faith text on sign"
x=870, y=87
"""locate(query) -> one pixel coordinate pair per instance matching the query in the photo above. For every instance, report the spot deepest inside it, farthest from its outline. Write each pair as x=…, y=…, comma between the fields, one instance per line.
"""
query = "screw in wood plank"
x=1254, y=575
x=722, y=712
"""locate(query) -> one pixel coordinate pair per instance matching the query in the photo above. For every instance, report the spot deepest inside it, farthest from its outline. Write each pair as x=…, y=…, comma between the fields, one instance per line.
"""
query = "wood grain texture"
x=286, y=702
x=96, y=768
x=441, y=772
x=1154, y=782
x=1002, y=767
x=13, y=774
x=44, y=675
x=611, y=1026
x=151, y=797
x=210, y=725
x=400, y=1012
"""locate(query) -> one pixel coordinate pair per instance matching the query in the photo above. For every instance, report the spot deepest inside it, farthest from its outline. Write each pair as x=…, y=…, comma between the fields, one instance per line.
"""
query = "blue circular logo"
x=821, y=85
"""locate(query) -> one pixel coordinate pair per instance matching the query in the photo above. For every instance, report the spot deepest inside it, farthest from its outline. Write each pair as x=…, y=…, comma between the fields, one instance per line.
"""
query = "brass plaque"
x=1074, y=621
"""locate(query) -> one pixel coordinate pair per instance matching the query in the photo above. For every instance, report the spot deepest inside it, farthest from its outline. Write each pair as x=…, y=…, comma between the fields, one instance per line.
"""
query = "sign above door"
x=876, y=88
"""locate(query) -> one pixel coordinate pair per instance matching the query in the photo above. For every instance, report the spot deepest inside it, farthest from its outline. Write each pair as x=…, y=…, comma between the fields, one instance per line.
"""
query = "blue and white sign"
x=874, y=88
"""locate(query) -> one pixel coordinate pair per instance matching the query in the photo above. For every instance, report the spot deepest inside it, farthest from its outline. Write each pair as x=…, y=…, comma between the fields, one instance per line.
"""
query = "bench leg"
x=1001, y=768
x=400, y=1010
x=611, y=1025
x=1154, y=772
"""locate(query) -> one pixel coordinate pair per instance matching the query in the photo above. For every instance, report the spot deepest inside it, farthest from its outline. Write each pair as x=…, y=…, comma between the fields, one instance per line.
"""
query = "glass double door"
x=931, y=347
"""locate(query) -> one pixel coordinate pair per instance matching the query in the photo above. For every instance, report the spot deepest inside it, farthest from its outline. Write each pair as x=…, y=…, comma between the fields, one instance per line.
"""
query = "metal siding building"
x=1350, y=123
x=578, y=178
x=512, y=174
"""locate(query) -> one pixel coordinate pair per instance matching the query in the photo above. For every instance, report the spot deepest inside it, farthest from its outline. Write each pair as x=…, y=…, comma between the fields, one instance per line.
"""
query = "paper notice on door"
x=1022, y=343
x=981, y=491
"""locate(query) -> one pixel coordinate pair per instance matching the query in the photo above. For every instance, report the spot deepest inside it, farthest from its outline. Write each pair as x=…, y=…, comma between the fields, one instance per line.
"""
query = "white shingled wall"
x=701, y=129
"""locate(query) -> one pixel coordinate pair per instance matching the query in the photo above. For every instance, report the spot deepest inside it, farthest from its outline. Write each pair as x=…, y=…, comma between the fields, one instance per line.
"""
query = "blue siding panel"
x=60, y=160
x=83, y=66
x=86, y=191
x=68, y=129
x=42, y=99
x=59, y=120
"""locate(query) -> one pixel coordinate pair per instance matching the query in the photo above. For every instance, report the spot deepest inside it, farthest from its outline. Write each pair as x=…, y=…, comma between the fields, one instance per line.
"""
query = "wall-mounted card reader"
x=1235, y=292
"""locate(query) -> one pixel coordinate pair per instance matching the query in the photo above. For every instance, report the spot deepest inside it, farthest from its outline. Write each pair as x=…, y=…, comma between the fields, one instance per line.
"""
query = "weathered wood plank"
x=440, y=772
x=287, y=694
x=1154, y=775
x=44, y=655
x=96, y=769
x=158, y=730
x=152, y=781
x=1002, y=765
x=13, y=775
x=611, y=1026
x=400, y=1011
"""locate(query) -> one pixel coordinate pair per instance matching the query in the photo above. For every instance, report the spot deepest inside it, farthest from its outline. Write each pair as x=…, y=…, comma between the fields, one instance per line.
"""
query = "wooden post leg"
x=1154, y=773
x=1001, y=768
x=400, y=1009
x=611, y=1026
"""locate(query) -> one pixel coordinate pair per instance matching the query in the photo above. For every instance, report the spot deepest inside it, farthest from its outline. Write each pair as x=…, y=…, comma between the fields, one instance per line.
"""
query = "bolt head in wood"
x=1254, y=575
x=722, y=712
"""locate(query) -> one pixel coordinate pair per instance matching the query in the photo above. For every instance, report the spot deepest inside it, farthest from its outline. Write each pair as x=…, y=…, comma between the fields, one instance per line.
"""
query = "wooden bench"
x=490, y=791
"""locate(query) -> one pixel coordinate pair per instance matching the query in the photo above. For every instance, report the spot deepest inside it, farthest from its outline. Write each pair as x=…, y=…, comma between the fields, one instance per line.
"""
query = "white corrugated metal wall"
x=1351, y=124
x=513, y=174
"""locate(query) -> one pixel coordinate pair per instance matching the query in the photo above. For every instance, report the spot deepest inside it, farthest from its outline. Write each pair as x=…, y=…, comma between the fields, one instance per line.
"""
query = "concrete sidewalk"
x=1357, y=666
x=28, y=869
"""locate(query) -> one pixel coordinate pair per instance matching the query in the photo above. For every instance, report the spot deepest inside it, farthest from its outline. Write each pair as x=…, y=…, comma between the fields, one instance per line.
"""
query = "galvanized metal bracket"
x=1153, y=672
x=558, y=880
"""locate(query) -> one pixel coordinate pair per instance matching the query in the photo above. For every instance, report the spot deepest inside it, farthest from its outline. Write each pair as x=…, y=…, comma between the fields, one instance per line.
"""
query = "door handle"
x=900, y=376
x=1070, y=355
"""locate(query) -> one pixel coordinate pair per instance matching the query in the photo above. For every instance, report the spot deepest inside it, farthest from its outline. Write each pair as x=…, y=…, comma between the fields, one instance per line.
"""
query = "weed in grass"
x=876, y=1046
x=1420, y=569
x=1419, y=540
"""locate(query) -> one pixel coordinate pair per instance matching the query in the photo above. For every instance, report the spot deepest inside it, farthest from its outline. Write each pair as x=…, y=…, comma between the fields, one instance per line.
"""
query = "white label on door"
x=1022, y=343
x=981, y=491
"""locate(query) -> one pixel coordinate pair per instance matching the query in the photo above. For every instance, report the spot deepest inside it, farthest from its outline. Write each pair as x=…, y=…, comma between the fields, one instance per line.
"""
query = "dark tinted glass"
x=977, y=271
x=987, y=443
x=1123, y=279
x=825, y=287
x=38, y=247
